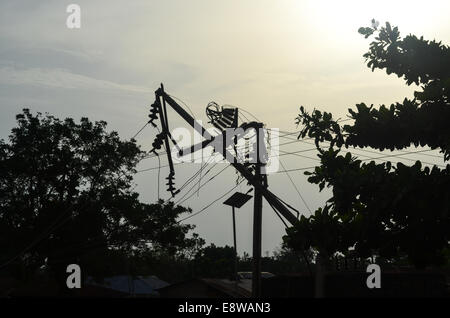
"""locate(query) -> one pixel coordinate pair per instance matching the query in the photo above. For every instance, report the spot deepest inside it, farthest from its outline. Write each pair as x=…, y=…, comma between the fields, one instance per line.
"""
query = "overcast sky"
x=267, y=57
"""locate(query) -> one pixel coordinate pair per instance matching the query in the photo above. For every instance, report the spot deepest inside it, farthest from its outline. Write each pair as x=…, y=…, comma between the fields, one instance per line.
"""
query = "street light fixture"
x=237, y=200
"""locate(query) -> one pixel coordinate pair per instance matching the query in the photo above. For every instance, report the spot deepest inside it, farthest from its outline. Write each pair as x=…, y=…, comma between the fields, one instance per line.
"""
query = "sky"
x=265, y=57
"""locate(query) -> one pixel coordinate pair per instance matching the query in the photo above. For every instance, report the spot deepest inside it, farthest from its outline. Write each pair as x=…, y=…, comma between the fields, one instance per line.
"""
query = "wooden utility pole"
x=257, y=229
x=257, y=214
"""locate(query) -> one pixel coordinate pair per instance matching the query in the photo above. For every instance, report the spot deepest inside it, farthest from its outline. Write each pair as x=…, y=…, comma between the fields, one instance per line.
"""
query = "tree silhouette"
x=215, y=261
x=385, y=209
x=66, y=197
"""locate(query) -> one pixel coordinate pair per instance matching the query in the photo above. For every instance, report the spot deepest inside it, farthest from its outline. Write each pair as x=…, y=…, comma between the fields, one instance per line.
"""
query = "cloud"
x=61, y=78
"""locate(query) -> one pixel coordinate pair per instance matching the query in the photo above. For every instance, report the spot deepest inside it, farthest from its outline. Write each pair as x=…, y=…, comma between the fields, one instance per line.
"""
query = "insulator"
x=170, y=183
x=228, y=117
x=226, y=121
x=157, y=143
x=154, y=111
x=215, y=124
x=223, y=123
x=221, y=118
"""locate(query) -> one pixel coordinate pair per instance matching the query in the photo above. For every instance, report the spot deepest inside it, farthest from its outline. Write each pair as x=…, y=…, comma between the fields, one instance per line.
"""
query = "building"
x=139, y=286
x=207, y=288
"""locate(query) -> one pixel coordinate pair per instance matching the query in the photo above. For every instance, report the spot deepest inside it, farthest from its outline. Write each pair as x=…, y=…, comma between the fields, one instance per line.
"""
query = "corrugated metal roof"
x=140, y=285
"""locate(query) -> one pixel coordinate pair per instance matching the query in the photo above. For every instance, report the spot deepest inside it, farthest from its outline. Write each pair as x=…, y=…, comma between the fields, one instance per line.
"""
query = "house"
x=207, y=288
x=139, y=286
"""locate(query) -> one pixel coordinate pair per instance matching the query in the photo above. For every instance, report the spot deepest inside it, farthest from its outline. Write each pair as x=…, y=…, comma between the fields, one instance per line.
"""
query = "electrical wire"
x=181, y=101
x=295, y=153
x=369, y=158
x=201, y=170
x=289, y=206
x=419, y=152
x=190, y=180
x=154, y=168
x=181, y=201
x=207, y=206
x=404, y=153
x=297, y=169
x=139, y=131
x=278, y=214
x=245, y=117
x=296, y=189
x=249, y=114
x=303, y=140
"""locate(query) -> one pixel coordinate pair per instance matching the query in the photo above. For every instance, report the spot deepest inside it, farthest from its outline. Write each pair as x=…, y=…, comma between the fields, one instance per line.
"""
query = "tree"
x=215, y=262
x=385, y=209
x=66, y=197
x=286, y=260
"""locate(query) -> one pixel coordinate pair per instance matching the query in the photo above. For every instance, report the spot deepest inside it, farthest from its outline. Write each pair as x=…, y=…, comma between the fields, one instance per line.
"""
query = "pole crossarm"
x=221, y=136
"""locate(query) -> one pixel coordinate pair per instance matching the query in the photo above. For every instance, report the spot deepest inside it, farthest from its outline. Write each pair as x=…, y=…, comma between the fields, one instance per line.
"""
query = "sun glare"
x=333, y=15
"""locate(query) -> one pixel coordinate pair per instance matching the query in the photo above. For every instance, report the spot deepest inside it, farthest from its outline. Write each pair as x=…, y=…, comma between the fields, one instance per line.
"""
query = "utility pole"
x=257, y=179
x=235, y=248
x=257, y=214
x=268, y=195
x=257, y=229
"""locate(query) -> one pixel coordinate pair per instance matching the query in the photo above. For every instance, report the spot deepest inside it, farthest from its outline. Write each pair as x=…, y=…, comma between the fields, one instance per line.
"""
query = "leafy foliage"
x=421, y=121
x=66, y=196
x=381, y=208
x=215, y=261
